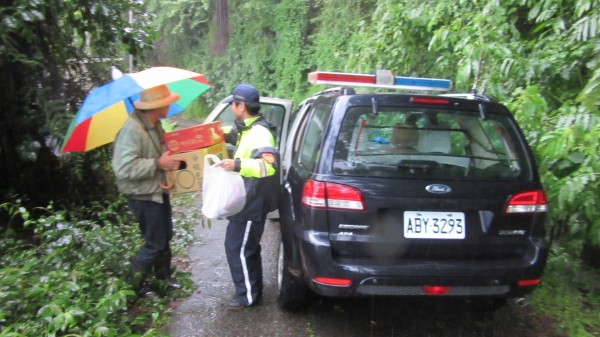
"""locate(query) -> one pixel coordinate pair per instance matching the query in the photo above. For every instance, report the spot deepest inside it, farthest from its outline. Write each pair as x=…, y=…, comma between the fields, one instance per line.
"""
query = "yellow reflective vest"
x=255, y=150
x=255, y=158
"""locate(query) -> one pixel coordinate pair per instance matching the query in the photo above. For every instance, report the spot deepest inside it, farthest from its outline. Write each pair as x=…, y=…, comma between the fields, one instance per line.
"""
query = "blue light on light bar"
x=418, y=83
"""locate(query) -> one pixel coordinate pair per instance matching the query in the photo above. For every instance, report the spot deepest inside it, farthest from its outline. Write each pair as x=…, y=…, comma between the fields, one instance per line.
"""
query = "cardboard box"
x=193, y=138
x=189, y=178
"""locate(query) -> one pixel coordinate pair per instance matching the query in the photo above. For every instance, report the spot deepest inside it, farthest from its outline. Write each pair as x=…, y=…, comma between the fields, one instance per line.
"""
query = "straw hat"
x=155, y=97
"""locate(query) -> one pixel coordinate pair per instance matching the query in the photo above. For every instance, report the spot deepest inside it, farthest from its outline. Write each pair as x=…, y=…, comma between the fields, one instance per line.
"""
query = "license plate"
x=434, y=225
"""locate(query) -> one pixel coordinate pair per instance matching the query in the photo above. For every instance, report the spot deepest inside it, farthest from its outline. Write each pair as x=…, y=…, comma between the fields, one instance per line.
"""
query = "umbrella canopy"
x=105, y=109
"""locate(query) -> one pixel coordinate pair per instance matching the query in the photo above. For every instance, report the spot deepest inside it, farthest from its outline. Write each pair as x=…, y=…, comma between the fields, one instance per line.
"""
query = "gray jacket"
x=135, y=159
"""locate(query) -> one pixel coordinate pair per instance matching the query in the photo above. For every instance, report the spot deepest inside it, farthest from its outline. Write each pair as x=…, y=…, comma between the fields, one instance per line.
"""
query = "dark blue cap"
x=244, y=92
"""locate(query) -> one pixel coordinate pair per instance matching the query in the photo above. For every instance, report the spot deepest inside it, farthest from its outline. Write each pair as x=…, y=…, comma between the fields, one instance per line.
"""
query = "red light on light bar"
x=318, y=76
x=435, y=290
x=330, y=281
x=429, y=100
x=528, y=283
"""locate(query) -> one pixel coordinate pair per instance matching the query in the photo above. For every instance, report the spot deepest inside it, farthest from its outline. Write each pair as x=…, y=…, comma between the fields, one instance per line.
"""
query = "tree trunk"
x=221, y=23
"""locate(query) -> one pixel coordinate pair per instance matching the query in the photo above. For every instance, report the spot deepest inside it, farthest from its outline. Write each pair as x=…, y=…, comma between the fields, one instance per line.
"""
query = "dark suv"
x=408, y=195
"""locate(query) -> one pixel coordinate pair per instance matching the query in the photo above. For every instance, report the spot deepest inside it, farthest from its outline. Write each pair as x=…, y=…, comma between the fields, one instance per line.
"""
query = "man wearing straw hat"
x=139, y=161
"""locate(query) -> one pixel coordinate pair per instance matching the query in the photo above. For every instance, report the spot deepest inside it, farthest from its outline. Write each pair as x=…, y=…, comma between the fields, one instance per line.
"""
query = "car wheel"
x=293, y=294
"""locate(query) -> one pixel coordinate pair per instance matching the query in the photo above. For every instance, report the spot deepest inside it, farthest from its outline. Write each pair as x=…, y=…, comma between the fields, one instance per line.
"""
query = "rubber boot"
x=162, y=270
x=139, y=282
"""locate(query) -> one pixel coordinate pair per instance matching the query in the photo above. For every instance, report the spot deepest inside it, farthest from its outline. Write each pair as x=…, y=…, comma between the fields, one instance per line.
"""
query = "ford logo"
x=438, y=189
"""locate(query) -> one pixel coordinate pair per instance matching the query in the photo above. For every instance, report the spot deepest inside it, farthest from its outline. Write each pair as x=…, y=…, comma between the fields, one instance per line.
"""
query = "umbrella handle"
x=169, y=185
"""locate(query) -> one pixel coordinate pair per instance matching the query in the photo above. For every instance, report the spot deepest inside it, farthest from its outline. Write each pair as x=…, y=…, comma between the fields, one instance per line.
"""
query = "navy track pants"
x=242, y=246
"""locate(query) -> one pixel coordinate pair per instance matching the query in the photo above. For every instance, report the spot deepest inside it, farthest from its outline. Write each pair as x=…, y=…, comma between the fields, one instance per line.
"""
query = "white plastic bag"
x=223, y=192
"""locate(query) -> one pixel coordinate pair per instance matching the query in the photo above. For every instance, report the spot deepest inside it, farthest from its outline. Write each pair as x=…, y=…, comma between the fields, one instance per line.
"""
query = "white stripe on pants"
x=244, y=265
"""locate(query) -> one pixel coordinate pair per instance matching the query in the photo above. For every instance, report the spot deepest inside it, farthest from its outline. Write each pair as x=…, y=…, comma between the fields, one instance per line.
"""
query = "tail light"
x=527, y=202
x=331, y=281
x=317, y=194
x=528, y=283
x=435, y=290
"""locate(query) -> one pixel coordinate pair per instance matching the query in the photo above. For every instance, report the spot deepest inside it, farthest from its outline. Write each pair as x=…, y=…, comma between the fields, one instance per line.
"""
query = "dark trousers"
x=242, y=246
x=156, y=227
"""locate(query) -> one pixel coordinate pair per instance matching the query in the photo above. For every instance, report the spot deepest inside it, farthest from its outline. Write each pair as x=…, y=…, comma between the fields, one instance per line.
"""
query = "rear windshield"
x=404, y=142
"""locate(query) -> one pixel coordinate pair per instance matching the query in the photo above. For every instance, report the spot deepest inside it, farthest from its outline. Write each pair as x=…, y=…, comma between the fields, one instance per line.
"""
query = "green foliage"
x=51, y=54
x=569, y=295
x=566, y=143
x=71, y=276
x=334, y=24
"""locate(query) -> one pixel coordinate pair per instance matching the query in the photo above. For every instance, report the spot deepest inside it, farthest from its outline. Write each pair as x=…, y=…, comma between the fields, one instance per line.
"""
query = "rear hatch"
x=438, y=179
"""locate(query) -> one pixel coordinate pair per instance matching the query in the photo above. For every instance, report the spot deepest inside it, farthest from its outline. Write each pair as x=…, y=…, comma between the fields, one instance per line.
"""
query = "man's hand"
x=227, y=164
x=167, y=162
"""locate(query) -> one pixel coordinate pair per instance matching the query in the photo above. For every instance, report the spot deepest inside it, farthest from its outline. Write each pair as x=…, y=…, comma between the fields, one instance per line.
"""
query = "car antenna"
x=374, y=106
x=474, y=88
x=482, y=111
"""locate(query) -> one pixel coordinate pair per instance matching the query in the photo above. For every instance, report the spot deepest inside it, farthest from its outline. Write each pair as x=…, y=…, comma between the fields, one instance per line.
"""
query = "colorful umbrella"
x=105, y=109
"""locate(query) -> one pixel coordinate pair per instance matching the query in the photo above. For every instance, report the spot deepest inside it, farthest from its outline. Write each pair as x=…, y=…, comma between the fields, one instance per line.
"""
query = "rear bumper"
x=497, y=278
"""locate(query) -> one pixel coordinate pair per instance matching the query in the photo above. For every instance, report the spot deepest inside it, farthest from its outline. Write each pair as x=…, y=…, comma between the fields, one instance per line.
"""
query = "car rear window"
x=403, y=142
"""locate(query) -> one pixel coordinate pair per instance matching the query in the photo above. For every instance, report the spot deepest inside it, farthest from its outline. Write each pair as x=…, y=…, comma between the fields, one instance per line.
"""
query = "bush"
x=72, y=276
x=568, y=295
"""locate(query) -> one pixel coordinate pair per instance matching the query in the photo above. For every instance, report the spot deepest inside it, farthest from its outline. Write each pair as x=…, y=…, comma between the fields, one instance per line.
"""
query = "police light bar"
x=381, y=79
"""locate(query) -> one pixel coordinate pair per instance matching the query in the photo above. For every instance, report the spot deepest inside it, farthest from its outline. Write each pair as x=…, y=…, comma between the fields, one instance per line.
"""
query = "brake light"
x=317, y=194
x=330, y=281
x=313, y=194
x=435, y=290
x=381, y=79
x=527, y=202
x=429, y=100
x=528, y=283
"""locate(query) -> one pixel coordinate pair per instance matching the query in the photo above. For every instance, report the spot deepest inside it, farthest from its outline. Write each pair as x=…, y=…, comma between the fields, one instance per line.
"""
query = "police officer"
x=254, y=159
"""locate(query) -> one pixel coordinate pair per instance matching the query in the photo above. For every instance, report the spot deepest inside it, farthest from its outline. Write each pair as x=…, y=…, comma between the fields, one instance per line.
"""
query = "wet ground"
x=204, y=313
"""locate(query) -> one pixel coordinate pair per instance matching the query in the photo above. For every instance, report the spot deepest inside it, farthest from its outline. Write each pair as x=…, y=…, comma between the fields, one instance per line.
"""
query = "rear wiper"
x=414, y=165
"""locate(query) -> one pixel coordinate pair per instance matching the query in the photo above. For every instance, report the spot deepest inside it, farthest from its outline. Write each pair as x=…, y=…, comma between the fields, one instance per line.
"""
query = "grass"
x=569, y=296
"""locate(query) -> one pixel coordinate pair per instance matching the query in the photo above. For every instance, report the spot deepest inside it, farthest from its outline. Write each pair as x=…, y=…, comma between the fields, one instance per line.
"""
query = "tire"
x=293, y=294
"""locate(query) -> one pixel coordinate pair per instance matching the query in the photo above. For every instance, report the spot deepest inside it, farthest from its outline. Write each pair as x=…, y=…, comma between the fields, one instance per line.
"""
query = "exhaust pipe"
x=521, y=302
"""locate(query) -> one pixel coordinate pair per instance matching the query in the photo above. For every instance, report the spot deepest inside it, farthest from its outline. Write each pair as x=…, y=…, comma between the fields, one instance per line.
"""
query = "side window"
x=226, y=117
x=273, y=113
x=313, y=136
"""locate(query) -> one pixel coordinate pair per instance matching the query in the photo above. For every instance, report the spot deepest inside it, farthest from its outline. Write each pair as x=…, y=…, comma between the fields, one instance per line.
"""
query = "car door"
x=275, y=110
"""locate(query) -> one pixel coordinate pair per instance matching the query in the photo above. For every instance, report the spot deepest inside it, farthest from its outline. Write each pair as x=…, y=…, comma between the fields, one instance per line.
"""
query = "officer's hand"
x=227, y=164
x=167, y=162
